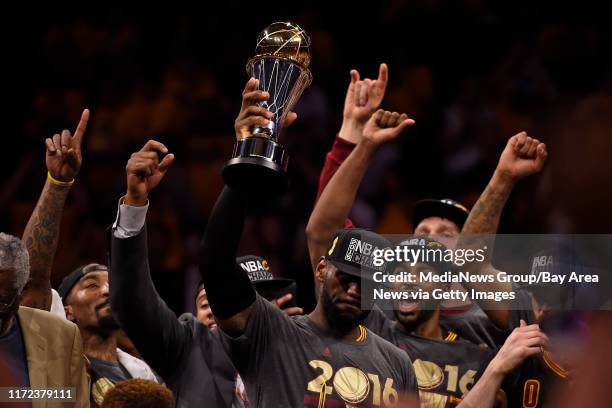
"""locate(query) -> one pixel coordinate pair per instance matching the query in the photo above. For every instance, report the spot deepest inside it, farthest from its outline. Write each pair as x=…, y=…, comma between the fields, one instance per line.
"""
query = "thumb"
x=541, y=155
x=165, y=163
x=402, y=126
x=289, y=119
x=522, y=323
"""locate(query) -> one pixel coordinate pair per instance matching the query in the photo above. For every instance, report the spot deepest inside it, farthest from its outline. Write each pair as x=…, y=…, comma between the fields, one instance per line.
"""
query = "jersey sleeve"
x=333, y=159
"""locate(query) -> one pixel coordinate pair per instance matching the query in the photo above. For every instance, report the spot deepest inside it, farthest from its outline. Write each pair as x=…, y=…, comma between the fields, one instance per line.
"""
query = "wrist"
x=370, y=144
x=59, y=182
x=495, y=369
x=351, y=131
x=135, y=200
x=503, y=180
x=368, y=147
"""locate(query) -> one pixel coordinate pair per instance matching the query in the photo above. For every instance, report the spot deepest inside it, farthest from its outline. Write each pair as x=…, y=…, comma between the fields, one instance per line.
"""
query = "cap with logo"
x=265, y=283
x=563, y=261
x=351, y=250
x=444, y=208
x=75, y=276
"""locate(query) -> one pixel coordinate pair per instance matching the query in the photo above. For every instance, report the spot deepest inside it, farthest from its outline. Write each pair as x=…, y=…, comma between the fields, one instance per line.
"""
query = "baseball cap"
x=265, y=283
x=444, y=208
x=351, y=250
x=73, y=277
x=561, y=260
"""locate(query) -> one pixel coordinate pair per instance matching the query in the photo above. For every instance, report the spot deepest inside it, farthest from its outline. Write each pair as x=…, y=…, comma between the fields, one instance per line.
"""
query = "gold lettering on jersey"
x=326, y=375
x=100, y=388
x=467, y=379
x=352, y=385
x=531, y=393
x=432, y=399
x=429, y=375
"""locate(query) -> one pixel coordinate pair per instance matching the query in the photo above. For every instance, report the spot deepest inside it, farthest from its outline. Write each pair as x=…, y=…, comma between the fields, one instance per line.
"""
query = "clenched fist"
x=522, y=157
x=144, y=171
x=384, y=126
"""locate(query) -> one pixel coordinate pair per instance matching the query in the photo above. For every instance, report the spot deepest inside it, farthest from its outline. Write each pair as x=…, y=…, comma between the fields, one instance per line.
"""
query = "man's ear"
x=320, y=271
x=69, y=314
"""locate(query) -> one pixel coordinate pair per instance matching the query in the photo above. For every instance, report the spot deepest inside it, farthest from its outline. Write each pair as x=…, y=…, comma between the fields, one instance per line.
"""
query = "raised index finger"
x=80, y=130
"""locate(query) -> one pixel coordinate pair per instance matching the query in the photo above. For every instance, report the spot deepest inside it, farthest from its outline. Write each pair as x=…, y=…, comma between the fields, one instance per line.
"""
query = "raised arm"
x=63, y=159
x=230, y=292
x=362, y=99
x=337, y=198
x=140, y=311
x=522, y=156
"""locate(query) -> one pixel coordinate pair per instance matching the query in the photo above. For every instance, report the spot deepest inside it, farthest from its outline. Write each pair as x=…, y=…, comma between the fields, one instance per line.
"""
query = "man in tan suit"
x=37, y=349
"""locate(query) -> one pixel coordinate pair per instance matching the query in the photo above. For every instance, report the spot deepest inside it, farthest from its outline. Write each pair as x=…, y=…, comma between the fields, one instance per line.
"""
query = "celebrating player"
x=305, y=360
x=522, y=157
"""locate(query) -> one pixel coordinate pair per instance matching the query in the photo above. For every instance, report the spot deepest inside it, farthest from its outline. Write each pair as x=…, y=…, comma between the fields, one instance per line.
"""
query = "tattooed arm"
x=63, y=159
x=522, y=157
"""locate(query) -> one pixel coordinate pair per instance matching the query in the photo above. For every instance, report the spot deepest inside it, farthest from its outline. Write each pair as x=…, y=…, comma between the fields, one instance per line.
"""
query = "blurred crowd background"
x=471, y=73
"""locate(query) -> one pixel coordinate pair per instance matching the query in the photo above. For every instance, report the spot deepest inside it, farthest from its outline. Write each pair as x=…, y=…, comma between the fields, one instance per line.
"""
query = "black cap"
x=351, y=250
x=73, y=277
x=444, y=208
x=265, y=283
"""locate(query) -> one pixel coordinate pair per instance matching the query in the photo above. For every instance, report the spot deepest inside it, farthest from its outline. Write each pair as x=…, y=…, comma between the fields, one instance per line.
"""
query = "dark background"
x=471, y=73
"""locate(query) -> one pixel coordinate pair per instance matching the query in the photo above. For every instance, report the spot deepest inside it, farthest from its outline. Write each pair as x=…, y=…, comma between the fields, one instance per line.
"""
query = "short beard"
x=338, y=322
x=107, y=325
x=422, y=316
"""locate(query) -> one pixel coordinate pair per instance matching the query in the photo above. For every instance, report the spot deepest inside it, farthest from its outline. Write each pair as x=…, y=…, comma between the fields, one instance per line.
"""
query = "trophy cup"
x=280, y=64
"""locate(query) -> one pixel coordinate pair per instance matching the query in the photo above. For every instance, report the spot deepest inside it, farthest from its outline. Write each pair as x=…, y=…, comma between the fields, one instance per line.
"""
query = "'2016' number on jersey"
x=387, y=394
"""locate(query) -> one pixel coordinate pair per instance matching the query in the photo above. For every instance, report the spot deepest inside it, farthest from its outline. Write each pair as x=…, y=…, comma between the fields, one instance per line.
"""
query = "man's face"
x=88, y=304
x=441, y=229
x=412, y=313
x=9, y=299
x=203, y=311
x=341, y=298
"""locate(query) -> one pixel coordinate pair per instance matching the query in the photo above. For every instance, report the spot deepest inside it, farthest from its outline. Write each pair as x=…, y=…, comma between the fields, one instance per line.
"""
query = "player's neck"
x=101, y=347
x=431, y=327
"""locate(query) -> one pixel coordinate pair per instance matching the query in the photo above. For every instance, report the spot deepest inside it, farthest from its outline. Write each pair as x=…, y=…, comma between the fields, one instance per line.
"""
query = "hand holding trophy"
x=280, y=66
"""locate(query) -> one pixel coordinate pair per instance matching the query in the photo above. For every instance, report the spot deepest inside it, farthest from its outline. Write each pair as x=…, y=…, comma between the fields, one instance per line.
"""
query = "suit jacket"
x=54, y=352
x=184, y=352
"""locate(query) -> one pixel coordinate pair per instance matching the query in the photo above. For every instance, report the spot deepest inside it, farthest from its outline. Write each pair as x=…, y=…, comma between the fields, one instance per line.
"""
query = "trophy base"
x=257, y=165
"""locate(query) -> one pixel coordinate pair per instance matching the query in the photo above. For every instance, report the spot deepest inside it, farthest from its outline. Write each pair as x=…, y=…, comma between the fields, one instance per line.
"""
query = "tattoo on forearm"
x=42, y=233
x=484, y=217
